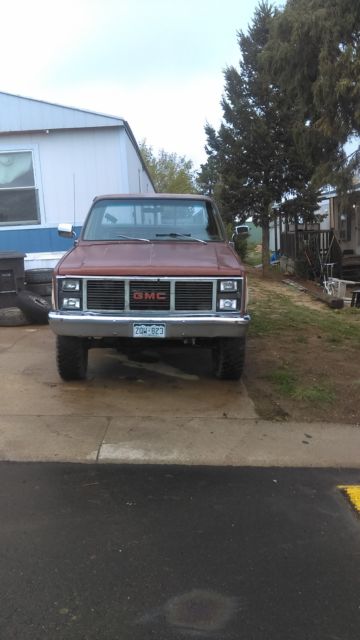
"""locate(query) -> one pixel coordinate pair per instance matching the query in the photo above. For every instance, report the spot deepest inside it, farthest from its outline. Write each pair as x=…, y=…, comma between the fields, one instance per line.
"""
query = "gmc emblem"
x=149, y=295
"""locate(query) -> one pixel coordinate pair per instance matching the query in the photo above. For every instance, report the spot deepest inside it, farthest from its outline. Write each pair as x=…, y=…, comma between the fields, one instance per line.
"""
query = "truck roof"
x=152, y=196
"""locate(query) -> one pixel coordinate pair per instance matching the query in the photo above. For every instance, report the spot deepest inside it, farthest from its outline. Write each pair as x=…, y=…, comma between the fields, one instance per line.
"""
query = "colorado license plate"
x=142, y=330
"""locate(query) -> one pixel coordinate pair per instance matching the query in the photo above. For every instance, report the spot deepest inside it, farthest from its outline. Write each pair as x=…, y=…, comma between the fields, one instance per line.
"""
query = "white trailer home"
x=53, y=161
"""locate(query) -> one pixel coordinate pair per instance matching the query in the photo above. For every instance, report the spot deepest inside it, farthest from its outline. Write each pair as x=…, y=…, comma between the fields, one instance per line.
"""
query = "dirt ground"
x=303, y=358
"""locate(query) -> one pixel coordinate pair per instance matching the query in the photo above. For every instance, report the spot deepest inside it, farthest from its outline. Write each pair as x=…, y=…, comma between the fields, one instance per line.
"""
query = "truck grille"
x=193, y=296
x=106, y=295
x=149, y=295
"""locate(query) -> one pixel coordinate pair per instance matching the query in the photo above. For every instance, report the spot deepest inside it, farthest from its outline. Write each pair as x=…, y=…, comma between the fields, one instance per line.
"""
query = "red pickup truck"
x=150, y=267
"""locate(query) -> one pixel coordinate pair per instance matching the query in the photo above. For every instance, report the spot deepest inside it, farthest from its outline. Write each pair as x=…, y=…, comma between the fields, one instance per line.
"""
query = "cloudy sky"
x=156, y=63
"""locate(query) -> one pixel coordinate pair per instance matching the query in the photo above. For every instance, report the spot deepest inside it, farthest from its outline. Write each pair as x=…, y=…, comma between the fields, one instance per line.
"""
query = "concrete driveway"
x=158, y=406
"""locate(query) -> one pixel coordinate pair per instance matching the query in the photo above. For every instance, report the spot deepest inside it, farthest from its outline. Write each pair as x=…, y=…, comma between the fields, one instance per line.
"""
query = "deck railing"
x=316, y=246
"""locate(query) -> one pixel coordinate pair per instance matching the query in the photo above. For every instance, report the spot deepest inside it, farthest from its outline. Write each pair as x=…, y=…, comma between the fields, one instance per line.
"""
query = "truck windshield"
x=152, y=219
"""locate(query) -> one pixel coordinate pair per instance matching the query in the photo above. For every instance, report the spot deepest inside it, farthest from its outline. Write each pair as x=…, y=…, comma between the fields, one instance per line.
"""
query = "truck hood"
x=175, y=258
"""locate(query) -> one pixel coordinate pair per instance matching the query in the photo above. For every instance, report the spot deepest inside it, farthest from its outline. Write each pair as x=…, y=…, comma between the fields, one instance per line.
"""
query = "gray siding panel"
x=88, y=160
x=25, y=114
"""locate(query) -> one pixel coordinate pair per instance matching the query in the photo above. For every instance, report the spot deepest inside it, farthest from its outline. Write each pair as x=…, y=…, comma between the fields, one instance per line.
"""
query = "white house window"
x=18, y=193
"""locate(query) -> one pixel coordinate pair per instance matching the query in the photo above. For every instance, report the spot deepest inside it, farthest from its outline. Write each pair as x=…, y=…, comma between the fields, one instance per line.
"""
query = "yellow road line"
x=352, y=492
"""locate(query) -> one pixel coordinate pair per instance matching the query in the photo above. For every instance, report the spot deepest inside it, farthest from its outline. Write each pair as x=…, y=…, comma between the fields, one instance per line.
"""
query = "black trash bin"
x=11, y=277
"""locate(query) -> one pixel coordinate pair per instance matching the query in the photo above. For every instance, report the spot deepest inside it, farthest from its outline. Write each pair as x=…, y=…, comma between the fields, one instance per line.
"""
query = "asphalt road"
x=126, y=552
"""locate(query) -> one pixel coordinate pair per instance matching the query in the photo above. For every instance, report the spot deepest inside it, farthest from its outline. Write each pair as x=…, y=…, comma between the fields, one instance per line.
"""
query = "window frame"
x=16, y=224
x=345, y=224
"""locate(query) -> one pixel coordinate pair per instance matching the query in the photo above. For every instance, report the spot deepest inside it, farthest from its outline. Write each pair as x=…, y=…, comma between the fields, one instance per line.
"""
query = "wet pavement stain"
x=198, y=612
x=201, y=611
x=154, y=366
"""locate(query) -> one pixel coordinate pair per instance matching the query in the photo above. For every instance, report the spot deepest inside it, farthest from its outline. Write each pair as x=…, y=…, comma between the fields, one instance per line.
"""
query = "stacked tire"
x=38, y=281
x=12, y=317
x=35, y=299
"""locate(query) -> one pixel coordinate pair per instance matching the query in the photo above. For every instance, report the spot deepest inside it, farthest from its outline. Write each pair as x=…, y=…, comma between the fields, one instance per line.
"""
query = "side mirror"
x=66, y=230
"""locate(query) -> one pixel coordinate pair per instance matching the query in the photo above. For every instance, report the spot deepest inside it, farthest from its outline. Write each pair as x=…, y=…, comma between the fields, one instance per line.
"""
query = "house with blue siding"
x=53, y=161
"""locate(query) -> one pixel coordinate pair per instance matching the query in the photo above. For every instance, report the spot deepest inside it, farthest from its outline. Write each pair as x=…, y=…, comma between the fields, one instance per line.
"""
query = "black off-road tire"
x=228, y=358
x=42, y=289
x=38, y=276
x=35, y=307
x=71, y=357
x=12, y=317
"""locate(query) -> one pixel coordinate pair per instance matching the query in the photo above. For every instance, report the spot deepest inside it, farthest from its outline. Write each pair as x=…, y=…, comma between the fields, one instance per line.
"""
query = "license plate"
x=141, y=330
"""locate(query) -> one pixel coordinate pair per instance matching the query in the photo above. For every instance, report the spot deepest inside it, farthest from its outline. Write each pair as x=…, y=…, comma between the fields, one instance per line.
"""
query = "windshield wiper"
x=179, y=235
x=119, y=235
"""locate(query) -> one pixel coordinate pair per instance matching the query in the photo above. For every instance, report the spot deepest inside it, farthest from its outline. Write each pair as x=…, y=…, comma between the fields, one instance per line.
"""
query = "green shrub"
x=241, y=246
x=229, y=230
x=240, y=241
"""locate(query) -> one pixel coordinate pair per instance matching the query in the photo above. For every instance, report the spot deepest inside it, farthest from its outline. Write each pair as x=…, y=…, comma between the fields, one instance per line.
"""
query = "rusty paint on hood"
x=170, y=258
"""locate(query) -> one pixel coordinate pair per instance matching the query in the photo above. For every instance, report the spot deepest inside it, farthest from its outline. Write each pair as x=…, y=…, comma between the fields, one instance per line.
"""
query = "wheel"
x=71, y=357
x=33, y=306
x=42, y=289
x=228, y=358
x=12, y=317
x=38, y=276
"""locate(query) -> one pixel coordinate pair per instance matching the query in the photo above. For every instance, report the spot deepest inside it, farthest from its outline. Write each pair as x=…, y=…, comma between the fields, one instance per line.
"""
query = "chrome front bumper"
x=91, y=325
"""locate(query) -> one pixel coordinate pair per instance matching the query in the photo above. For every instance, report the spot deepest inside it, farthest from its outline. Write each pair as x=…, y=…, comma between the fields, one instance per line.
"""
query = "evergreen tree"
x=208, y=178
x=314, y=51
x=258, y=159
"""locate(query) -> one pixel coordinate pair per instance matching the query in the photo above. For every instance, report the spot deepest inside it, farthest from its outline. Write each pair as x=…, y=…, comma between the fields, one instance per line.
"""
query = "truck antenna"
x=74, y=196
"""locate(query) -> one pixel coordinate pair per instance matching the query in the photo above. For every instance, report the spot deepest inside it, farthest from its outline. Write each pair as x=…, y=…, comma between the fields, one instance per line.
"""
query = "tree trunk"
x=265, y=248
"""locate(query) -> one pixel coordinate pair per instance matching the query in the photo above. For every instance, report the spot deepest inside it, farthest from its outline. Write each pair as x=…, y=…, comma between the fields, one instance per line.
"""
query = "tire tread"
x=71, y=357
x=229, y=358
x=38, y=276
x=34, y=306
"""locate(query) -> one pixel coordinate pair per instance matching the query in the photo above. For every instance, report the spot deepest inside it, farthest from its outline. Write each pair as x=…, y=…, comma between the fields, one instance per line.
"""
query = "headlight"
x=69, y=294
x=71, y=303
x=228, y=304
x=228, y=285
x=71, y=285
x=229, y=294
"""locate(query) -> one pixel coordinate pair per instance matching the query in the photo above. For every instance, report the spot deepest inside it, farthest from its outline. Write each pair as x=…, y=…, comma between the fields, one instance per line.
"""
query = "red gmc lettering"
x=161, y=296
x=141, y=295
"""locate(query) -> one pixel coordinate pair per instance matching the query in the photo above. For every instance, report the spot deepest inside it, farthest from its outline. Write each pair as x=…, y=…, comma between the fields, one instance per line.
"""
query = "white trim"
x=37, y=225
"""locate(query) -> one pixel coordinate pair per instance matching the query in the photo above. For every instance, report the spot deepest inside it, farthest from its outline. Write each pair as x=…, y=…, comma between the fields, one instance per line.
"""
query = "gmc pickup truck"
x=148, y=268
